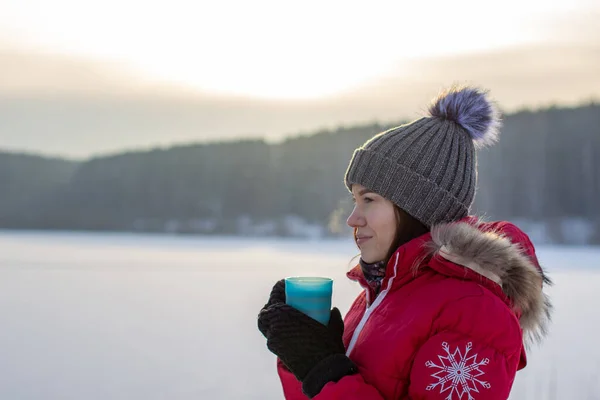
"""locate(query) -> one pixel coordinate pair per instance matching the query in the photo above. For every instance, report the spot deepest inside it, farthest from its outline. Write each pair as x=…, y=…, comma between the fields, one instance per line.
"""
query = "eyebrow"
x=365, y=191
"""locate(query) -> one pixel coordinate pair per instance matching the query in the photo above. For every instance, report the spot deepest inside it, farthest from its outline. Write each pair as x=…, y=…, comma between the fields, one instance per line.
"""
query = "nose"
x=356, y=218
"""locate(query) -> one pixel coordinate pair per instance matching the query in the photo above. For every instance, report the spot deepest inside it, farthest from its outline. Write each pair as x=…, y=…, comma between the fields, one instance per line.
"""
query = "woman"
x=449, y=302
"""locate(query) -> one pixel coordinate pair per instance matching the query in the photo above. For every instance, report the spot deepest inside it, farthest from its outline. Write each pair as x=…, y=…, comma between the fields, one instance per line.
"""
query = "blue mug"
x=310, y=295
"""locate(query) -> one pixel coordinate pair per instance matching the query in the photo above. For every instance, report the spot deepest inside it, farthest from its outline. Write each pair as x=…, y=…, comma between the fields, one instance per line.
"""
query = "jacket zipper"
x=370, y=308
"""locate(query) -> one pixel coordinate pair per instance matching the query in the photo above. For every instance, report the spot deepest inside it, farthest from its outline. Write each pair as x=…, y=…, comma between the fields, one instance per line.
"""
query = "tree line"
x=545, y=170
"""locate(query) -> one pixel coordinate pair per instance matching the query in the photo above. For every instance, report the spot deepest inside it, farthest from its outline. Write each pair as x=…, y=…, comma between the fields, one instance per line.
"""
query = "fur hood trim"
x=492, y=255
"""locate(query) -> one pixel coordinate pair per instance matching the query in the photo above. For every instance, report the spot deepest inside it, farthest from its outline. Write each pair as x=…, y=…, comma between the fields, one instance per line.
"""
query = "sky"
x=79, y=79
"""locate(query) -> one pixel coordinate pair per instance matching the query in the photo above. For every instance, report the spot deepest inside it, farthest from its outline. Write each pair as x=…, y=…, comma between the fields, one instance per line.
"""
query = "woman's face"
x=374, y=222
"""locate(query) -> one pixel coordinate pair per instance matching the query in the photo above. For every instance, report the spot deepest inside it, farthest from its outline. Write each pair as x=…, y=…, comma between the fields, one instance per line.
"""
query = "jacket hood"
x=497, y=251
x=502, y=253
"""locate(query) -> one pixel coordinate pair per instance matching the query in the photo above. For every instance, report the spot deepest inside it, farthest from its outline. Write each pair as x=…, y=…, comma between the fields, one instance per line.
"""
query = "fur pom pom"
x=470, y=108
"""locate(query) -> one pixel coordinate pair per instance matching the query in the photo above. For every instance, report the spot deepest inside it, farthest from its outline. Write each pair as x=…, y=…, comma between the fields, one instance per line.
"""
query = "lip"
x=362, y=239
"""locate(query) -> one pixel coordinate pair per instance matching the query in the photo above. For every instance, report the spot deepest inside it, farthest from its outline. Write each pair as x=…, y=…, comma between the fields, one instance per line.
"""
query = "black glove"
x=277, y=296
x=313, y=352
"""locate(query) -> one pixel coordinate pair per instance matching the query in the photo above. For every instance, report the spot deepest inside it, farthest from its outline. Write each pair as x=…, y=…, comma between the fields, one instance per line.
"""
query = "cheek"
x=390, y=232
x=384, y=224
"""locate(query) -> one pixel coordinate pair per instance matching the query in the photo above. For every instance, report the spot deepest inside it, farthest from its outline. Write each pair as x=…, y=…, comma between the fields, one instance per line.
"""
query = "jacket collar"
x=497, y=255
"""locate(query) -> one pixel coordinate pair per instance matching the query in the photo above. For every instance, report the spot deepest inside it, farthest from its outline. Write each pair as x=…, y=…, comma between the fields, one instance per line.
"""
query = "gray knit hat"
x=428, y=167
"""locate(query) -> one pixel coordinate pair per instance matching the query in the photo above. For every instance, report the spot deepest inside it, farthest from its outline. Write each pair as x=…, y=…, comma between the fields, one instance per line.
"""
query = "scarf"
x=374, y=273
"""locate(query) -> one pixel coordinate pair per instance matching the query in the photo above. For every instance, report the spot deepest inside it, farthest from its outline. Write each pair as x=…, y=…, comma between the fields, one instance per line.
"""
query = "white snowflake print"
x=458, y=374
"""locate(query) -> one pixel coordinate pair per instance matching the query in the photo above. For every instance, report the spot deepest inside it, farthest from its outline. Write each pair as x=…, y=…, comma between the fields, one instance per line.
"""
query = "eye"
x=368, y=199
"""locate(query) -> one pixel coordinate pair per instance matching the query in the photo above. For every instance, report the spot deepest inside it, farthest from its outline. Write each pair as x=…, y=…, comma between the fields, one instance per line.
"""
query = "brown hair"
x=407, y=229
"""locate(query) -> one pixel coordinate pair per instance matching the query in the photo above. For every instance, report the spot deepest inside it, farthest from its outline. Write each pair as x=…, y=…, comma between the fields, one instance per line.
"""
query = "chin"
x=371, y=255
x=369, y=259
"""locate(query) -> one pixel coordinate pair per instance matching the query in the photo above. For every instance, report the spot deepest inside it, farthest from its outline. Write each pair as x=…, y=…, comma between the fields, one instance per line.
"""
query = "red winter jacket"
x=450, y=321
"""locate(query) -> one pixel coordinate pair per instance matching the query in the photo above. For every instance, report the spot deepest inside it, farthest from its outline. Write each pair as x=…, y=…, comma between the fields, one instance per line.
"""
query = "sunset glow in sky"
x=80, y=78
x=274, y=49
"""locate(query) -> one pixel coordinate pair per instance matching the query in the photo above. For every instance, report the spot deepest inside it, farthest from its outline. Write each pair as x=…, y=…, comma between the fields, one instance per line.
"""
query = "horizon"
x=292, y=136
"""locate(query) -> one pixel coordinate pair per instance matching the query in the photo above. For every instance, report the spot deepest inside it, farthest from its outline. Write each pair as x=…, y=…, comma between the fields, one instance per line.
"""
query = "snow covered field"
x=119, y=316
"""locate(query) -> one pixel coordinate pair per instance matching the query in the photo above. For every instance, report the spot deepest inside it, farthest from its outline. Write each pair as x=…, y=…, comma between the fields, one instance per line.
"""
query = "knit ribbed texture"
x=427, y=167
